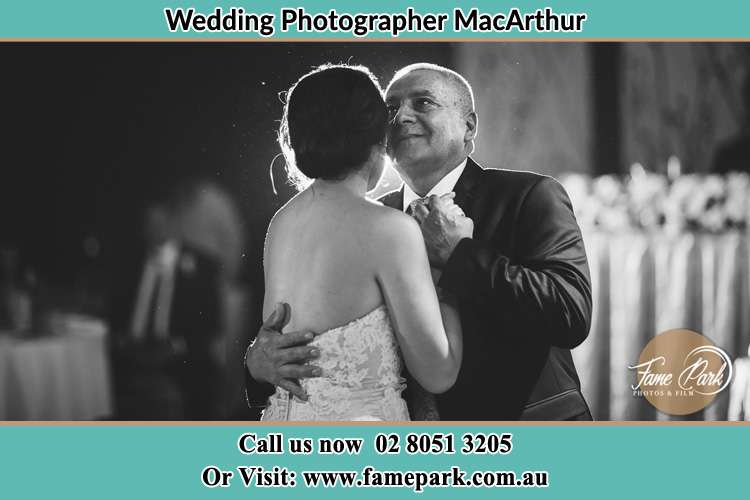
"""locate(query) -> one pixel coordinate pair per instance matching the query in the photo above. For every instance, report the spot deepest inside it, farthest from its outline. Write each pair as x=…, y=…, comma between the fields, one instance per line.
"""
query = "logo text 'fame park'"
x=680, y=372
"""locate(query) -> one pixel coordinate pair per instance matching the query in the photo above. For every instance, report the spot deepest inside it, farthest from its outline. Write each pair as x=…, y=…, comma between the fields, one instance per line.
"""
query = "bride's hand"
x=451, y=209
x=422, y=210
x=444, y=227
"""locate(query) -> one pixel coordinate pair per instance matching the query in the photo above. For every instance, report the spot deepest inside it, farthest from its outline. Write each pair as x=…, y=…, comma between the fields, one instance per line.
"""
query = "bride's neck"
x=353, y=185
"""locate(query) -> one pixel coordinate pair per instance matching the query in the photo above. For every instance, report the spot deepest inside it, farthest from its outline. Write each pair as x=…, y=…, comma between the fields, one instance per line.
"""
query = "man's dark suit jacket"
x=524, y=299
x=194, y=322
x=194, y=314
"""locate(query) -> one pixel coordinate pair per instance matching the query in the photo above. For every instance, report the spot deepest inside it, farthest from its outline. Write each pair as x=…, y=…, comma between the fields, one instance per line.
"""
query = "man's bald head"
x=461, y=87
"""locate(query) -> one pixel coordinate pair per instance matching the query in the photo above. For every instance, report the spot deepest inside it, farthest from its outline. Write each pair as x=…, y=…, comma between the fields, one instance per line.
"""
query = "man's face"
x=427, y=126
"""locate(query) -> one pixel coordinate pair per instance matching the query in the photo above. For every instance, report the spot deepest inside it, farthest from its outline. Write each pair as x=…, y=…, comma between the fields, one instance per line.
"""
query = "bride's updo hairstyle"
x=332, y=118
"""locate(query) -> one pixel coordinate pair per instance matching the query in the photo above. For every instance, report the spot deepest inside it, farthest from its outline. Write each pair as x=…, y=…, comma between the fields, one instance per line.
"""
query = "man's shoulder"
x=516, y=181
x=508, y=175
x=520, y=188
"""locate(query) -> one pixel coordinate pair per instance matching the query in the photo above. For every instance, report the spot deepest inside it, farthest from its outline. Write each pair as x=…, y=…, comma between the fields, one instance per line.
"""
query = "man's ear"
x=472, y=124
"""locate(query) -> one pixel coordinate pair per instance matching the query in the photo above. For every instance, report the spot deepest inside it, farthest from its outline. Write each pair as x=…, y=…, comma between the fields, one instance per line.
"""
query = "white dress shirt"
x=445, y=186
x=157, y=280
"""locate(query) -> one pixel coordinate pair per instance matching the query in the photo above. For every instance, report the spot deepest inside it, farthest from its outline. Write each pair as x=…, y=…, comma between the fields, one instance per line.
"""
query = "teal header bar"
x=383, y=20
x=185, y=462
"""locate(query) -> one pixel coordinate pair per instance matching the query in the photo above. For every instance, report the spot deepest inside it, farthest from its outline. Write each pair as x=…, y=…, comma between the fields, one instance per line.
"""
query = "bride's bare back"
x=322, y=258
x=335, y=256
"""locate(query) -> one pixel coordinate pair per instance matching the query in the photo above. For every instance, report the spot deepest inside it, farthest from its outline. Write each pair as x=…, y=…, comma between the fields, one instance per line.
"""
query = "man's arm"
x=548, y=286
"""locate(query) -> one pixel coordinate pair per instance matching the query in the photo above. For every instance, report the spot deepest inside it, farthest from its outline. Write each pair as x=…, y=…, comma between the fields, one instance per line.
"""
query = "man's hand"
x=279, y=358
x=443, y=225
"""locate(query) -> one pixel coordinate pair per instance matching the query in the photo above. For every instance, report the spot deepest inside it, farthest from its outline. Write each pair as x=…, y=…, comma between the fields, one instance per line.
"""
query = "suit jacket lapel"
x=466, y=185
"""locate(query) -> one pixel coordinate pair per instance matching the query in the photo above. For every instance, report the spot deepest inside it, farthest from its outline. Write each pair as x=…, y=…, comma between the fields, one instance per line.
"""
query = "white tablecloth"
x=54, y=378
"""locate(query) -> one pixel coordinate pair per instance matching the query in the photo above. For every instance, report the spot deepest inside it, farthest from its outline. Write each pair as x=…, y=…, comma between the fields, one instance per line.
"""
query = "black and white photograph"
x=372, y=231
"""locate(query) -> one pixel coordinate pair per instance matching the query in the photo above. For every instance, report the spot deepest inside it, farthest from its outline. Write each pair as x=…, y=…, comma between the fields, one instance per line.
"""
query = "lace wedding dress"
x=361, y=378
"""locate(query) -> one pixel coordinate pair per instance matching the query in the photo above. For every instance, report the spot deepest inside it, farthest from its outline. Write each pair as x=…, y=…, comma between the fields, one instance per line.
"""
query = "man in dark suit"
x=521, y=279
x=166, y=355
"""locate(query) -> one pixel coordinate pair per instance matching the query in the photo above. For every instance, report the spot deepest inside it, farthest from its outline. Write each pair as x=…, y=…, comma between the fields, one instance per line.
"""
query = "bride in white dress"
x=353, y=270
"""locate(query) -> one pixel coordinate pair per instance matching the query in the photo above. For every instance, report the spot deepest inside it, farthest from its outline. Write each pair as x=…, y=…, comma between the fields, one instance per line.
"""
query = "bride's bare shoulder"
x=381, y=213
x=291, y=208
x=284, y=218
x=391, y=226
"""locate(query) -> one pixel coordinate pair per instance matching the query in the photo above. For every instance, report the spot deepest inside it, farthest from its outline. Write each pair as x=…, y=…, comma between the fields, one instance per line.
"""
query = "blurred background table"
x=65, y=376
x=645, y=283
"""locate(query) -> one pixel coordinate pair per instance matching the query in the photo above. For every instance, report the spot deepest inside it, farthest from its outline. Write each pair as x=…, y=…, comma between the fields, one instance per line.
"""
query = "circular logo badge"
x=680, y=372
